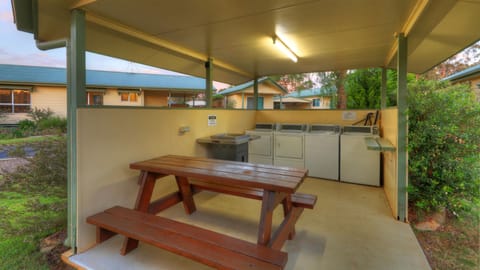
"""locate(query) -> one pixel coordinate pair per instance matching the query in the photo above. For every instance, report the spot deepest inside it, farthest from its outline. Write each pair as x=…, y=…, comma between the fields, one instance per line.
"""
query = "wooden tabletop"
x=267, y=177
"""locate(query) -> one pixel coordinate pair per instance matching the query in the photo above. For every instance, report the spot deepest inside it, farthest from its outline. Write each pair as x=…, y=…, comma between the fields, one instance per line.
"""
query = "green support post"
x=383, y=101
x=76, y=96
x=209, y=84
x=255, y=93
x=402, y=154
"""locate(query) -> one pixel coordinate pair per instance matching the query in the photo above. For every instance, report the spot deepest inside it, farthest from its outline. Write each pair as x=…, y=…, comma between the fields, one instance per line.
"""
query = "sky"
x=18, y=48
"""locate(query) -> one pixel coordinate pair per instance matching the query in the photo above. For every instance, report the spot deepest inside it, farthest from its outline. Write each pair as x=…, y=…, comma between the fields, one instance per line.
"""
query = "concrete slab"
x=351, y=227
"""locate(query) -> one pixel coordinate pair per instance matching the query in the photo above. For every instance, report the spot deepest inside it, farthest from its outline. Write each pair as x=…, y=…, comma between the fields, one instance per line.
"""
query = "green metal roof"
x=248, y=84
x=464, y=74
x=15, y=74
x=313, y=92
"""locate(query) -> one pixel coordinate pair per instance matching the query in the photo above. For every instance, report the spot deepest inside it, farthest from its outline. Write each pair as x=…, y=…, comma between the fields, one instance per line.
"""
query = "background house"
x=470, y=75
x=319, y=98
x=284, y=102
x=241, y=96
x=26, y=87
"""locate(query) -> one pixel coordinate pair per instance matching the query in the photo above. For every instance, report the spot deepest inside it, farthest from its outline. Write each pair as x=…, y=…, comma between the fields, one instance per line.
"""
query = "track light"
x=285, y=49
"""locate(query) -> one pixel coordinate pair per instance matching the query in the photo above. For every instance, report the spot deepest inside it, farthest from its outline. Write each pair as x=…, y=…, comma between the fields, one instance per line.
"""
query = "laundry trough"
x=228, y=146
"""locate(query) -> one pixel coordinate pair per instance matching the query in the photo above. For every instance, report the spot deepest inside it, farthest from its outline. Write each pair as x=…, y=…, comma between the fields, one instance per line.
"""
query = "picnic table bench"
x=272, y=185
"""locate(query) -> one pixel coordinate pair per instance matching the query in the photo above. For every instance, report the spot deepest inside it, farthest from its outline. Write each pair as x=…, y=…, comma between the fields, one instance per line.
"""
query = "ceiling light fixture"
x=285, y=49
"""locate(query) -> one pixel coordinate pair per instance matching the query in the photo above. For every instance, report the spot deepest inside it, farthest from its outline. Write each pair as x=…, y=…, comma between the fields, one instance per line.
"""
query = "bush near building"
x=444, y=147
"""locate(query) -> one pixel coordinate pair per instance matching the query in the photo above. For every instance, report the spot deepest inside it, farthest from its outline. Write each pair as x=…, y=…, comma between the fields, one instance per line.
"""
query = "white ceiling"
x=326, y=34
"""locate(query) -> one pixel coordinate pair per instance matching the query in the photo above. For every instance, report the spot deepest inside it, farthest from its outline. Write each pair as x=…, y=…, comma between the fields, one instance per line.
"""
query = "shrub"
x=25, y=128
x=45, y=172
x=38, y=114
x=444, y=142
x=53, y=123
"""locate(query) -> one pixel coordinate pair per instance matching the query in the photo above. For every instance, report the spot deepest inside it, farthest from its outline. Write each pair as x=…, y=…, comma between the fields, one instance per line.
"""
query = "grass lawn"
x=25, y=220
x=33, y=203
x=27, y=140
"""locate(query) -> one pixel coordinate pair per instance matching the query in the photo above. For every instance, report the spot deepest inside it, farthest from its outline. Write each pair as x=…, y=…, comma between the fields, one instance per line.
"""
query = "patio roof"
x=326, y=35
x=16, y=74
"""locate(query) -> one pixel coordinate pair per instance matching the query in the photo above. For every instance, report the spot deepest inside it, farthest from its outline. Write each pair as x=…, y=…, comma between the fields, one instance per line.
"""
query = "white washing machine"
x=322, y=147
x=289, y=141
x=358, y=164
x=260, y=150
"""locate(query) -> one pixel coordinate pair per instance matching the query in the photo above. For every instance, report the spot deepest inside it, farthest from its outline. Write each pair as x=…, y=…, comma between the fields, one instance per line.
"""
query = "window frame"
x=12, y=103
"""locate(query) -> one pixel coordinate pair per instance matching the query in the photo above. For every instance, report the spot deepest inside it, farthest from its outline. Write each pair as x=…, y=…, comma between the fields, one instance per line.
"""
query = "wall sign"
x=349, y=116
x=212, y=120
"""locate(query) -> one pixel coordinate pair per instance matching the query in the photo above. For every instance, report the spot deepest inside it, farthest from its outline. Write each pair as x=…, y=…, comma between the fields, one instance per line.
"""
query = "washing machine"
x=358, y=164
x=289, y=149
x=322, y=151
x=260, y=150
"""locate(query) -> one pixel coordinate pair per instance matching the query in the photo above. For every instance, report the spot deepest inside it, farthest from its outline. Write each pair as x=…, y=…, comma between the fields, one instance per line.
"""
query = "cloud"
x=31, y=59
x=6, y=14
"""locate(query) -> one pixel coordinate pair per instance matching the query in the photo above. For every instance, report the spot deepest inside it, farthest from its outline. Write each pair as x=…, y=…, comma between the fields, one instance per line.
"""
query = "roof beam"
x=417, y=11
x=81, y=3
x=135, y=33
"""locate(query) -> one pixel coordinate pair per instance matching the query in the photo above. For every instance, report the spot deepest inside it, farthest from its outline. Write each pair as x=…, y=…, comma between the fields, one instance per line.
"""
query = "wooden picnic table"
x=272, y=185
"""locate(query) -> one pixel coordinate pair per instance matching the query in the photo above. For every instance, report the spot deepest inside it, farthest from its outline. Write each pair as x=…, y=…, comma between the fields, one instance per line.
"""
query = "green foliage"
x=52, y=124
x=44, y=123
x=444, y=141
x=33, y=205
x=25, y=128
x=363, y=87
x=47, y=170
x=38, y=114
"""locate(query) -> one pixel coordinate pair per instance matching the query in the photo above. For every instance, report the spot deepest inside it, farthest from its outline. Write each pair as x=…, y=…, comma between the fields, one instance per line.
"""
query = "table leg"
x=287, y=208
x=147, y=183
x=265, y=227
x=186, y=191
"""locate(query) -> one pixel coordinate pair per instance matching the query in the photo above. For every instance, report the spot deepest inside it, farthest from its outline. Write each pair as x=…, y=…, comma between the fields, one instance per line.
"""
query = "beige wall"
x=55, y=98
x=154, y=98
x=309, y=116
x=389, y=131
x=111, y=138
x=112, y=98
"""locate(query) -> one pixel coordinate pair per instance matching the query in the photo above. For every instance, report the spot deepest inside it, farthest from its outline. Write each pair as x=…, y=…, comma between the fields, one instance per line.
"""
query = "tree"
x=467, y=58
x=363, y=87
x=294, y=82
x=335, y=80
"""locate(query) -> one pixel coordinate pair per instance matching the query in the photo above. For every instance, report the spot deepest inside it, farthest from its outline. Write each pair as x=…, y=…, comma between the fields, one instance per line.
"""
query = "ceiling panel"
x=237, y=34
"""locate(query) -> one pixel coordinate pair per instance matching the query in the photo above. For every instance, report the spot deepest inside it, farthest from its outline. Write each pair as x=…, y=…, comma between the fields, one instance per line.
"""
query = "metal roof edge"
x=463, y=74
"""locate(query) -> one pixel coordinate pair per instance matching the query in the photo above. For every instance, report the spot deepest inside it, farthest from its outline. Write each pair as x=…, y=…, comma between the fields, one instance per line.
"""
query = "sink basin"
x=230, y=137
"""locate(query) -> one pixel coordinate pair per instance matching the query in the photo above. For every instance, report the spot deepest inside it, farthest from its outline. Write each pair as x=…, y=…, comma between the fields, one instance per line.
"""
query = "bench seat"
x=298, y=199
x=205, y=246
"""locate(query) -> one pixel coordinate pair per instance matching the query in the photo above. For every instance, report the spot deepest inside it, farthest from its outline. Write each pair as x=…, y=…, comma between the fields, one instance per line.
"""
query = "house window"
x=95, y=98
x=128, y=97
x=250, y=103
x=316, y=102
x=14, y=100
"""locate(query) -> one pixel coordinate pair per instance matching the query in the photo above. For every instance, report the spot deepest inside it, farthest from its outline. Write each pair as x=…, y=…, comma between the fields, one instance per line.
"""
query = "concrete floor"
x=351, y=227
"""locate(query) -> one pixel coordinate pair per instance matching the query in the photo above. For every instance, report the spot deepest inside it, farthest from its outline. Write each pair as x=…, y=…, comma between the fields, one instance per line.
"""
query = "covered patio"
x=352, y=227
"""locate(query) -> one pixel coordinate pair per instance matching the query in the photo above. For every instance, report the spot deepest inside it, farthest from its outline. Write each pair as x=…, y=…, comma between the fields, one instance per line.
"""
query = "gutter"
x=53, y=44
